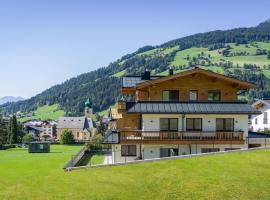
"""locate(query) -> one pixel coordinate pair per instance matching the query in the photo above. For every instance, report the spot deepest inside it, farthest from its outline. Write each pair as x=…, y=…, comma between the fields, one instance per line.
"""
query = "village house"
x=48, y=130
x=83, y=128
x=195, y=111
x=261, y=123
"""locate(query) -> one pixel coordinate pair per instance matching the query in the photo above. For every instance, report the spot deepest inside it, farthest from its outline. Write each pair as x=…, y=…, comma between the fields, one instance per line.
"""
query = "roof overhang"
x=236, y=82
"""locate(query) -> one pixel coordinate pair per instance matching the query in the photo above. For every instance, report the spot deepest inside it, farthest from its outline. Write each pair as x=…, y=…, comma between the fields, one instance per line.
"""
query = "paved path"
x=108, y=159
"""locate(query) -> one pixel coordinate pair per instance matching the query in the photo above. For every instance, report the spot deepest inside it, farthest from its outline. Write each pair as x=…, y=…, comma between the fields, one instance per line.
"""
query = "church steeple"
x=88, y=109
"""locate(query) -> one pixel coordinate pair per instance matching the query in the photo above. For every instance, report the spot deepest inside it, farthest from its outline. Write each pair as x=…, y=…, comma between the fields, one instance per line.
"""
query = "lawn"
x=243, y=175
x=46, y=113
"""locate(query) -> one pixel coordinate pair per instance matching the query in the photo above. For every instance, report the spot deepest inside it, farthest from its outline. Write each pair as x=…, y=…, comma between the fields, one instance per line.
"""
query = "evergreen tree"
x=2, y=133
x=12, y=130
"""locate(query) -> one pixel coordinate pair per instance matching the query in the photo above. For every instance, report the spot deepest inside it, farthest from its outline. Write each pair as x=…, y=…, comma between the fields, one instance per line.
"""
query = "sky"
x=45, y=42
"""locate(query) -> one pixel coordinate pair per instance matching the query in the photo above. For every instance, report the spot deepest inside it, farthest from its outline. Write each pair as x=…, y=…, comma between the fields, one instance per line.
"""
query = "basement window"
x=128, y=150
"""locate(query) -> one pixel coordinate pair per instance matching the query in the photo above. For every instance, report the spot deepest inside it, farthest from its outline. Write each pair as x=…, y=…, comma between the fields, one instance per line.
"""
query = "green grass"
x=119, y=74
x=45, y=113
x=244, y=175
x=97, y=159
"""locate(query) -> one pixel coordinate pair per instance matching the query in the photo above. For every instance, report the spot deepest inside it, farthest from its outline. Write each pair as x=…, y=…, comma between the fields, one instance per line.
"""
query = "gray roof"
x=132, y=81
x=193, y=108
x=75, y=123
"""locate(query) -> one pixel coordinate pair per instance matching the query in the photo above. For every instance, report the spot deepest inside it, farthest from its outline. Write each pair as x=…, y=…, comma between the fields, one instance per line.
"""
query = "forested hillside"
x=243, y=53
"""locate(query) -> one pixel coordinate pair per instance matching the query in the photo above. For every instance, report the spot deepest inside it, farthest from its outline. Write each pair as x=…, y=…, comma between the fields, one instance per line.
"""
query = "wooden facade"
x=199, y=80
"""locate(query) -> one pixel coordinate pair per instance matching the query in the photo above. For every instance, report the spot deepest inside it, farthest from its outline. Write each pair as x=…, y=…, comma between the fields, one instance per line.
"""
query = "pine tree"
x=12, y=130
x=2, y=134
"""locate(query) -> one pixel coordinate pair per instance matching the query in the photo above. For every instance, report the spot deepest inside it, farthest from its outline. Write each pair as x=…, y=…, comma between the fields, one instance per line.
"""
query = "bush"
x=27, y=138
x=67, y=137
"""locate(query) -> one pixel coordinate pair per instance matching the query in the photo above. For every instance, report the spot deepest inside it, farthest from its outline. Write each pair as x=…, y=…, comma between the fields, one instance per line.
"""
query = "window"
x=168, y=152
x=231, y=149
x=128, y=150
x=170, y=95
x=265, y=118
x=214, y=95
x=210, y=150
x=256, y=121
x=193, y=124
x=193, y=95
x=168, y=124
x=225, y=124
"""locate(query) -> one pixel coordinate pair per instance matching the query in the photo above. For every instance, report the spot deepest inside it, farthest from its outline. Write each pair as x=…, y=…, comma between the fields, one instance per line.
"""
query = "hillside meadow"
x=244, y=175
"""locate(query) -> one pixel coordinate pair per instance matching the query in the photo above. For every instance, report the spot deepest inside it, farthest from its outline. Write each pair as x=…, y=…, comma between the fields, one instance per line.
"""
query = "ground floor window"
x=194, y=124
x=209, y=150
x=168, y=152
x=128, y=150
x=168, y=124
x=231, y=149
x=224, y=124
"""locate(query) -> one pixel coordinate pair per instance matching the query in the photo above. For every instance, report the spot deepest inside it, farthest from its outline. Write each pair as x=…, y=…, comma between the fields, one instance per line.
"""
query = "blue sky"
x=45, y=42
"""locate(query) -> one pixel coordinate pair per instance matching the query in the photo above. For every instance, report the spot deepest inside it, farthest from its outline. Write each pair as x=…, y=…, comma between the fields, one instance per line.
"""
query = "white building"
x=260, y=123
x=195, y=111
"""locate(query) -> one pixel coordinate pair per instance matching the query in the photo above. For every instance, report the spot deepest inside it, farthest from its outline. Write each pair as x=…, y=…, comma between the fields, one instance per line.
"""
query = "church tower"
x=88, y=109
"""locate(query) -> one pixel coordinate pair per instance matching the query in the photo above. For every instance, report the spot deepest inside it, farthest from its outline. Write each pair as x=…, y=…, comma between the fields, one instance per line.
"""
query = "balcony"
x=163, y=137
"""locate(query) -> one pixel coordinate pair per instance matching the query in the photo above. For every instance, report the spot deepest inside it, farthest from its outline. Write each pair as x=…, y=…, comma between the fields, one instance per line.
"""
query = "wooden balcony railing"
x=181, y=136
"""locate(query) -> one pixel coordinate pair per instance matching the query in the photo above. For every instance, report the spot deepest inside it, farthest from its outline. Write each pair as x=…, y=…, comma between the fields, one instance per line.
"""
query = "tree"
x=268, y=55
x=2, y=131
x=21, y=132
x=27, y=138
x=67, y=137
x=12, y=130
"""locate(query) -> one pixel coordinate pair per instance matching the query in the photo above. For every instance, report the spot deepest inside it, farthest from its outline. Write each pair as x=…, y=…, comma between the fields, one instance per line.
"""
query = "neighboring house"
x=261, y=122
x=111, y=118
x=48, y=130
x=35, y=131
x=195, y=111
x=83, y=128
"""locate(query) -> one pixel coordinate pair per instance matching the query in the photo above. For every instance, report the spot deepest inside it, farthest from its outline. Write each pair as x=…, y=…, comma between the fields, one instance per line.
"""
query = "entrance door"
x=168, y=152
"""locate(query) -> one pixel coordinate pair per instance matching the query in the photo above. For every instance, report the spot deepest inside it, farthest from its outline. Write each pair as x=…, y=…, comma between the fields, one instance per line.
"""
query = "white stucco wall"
x=260, y=126
x=151, y=122
x=153, y=151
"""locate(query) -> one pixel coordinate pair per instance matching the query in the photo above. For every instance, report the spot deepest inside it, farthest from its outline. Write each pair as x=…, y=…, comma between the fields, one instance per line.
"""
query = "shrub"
x=27, y=138
x=67, y=137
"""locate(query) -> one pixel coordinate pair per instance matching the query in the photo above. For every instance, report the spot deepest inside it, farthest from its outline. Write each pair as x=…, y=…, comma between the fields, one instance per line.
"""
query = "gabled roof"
x=193, y=108
x=75, y=123
x=260, y=103
x=241, y=84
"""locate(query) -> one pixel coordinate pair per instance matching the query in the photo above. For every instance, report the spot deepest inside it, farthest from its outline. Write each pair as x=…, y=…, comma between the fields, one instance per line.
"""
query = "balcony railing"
x=181, y=136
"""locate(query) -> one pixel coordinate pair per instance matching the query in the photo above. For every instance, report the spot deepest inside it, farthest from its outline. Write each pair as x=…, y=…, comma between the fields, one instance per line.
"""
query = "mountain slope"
x=242, y=53
x=7, y=99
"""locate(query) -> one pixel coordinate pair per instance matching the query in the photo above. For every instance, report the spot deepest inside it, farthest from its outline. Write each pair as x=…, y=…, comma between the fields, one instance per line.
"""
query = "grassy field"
x=46, y=112
x=243, y=175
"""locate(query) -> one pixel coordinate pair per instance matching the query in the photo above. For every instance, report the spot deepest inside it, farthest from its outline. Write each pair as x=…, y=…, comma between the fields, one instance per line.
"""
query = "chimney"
x=146, y=75
x=170, y=71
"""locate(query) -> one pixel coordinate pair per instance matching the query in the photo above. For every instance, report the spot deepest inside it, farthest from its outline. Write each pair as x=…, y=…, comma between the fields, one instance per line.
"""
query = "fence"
x=165, y=158
x=75, y=159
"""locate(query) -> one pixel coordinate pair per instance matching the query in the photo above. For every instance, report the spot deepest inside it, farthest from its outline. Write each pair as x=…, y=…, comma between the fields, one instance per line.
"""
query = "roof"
x=132, y=81
x=75, y=123
x=193, y=108
x=263, y=101
x=240, y=83
x=35, y=128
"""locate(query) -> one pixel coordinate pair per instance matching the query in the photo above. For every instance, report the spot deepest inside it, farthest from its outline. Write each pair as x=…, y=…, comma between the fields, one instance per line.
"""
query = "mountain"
x=7, y=99
x=243, y=53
